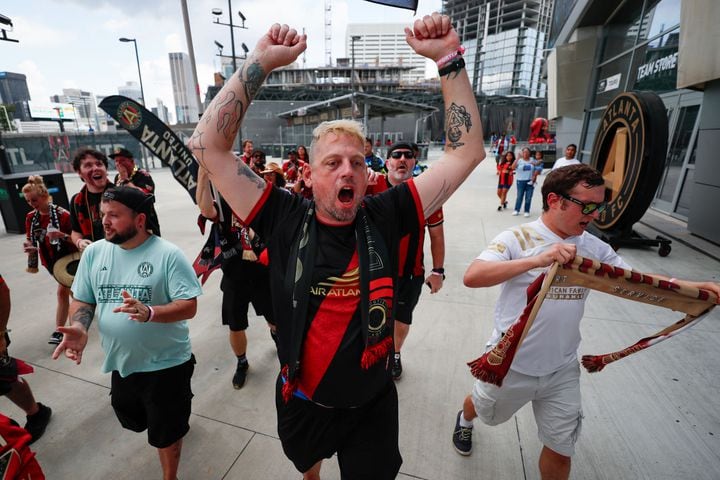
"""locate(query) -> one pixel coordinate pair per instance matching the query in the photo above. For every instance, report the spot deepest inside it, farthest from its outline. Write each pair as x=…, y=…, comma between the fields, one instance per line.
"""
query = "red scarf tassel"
x=377, y=352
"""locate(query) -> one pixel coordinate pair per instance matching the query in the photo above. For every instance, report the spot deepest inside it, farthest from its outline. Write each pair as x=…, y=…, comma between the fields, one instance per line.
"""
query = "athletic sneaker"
x=462, y=437
x=516, y=213
x=527, y=214
x=240, y=375
x=55, y=338
x=37, y=422
x=500, y=208
x=396, y=367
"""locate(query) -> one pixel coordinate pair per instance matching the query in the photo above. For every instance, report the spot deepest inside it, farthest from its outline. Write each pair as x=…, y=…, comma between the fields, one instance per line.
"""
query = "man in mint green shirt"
x=144, y=290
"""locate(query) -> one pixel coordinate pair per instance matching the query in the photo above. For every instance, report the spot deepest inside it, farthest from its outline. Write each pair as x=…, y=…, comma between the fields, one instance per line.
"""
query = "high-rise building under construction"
x=504, y=43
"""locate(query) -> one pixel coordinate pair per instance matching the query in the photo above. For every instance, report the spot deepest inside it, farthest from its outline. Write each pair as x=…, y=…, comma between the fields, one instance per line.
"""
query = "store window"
x=611, y=80
x=680, y=142
x=622, y=30
x=661, y=16
x=655, y=64
x=593, y=124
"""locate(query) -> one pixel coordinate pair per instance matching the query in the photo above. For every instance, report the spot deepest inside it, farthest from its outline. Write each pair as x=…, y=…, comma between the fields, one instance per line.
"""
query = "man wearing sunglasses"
x=545, y=370
x=400, y=163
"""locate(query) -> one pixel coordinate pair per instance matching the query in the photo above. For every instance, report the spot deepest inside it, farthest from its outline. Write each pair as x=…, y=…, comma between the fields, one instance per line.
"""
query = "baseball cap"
x=122, y=152
x=133, y=198
x=399, y=146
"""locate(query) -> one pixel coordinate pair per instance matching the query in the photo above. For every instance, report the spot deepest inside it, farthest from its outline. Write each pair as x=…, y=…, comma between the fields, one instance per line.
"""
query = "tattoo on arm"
x=245, y=171
x=254, y=78
x=195, y=144
x=84, y=316
x=440, y=198
x=457, y=117
x=229, y=115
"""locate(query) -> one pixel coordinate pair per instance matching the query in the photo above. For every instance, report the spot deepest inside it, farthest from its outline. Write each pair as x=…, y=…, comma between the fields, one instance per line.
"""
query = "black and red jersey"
x=411, y=245
x=330, y=373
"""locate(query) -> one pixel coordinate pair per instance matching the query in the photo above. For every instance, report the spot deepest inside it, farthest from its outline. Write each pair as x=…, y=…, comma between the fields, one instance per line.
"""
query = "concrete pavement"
x=652, y=416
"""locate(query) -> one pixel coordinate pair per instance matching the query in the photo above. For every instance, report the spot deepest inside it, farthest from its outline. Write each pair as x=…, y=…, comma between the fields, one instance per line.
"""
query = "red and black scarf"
x=376, y=293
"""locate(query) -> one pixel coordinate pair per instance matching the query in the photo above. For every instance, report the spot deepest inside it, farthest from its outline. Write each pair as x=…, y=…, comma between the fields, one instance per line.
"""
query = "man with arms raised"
x=145, y=289
x=334, y=261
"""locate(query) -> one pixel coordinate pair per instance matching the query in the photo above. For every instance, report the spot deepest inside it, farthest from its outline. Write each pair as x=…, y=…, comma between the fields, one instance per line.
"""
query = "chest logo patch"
x=145, y=269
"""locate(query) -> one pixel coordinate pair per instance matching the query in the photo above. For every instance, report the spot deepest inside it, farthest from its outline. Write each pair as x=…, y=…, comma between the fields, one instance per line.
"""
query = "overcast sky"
x=74, y=43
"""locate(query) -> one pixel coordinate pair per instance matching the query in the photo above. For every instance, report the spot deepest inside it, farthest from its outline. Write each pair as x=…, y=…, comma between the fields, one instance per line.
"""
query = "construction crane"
x=328, y=33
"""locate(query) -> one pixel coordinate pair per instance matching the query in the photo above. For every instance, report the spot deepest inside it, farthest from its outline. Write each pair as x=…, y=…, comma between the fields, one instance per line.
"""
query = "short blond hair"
x=338, y=127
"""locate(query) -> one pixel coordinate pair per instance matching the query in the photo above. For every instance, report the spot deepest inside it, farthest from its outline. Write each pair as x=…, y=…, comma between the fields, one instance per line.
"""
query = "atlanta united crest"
x=130, y=115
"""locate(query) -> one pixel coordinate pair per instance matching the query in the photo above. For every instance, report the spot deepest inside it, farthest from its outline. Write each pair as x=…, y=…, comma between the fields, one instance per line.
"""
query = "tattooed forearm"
x=457, y=117
x=245, y=171
x=195, y=144
x=437, y=201
x=254, y=78
x=84, y=316
x=229, y=115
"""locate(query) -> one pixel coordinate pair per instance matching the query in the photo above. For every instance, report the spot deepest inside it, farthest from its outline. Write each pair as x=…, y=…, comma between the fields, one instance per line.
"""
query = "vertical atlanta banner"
x=157, y=137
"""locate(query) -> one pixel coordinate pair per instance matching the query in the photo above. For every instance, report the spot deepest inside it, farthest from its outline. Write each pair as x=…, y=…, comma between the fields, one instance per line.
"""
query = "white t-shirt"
x=554, y=336
x=564, y=162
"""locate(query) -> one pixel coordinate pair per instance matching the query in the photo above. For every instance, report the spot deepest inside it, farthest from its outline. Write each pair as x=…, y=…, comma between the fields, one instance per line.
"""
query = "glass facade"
x=639, y=51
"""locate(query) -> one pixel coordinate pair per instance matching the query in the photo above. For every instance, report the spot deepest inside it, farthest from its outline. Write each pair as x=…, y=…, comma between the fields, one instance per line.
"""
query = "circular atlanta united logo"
x=145, y=269
x=129, y=115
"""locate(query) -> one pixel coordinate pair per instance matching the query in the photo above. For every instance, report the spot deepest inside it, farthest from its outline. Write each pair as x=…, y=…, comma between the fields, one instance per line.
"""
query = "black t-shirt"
x=330, y=372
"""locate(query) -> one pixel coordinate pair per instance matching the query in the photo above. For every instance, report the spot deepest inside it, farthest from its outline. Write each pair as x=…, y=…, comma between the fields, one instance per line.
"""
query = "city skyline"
x=74, y=44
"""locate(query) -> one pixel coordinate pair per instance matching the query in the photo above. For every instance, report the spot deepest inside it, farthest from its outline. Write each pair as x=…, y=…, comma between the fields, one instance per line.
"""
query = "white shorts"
x=555, y=399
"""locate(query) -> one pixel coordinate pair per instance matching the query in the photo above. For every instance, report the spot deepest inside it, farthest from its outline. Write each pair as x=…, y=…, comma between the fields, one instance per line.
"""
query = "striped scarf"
x=376, y=293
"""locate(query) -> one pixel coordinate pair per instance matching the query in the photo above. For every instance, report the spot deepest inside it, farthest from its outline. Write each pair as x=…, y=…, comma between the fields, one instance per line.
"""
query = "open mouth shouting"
x=346, y=196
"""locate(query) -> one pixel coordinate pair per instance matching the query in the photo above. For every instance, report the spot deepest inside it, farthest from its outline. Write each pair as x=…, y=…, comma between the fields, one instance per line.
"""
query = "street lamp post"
x=217, y=12
x=353, y=39
x=137, y=59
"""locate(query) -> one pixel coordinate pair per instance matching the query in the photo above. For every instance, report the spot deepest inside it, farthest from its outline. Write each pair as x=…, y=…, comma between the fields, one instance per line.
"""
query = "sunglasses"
x=587, y=208
x=397, y=154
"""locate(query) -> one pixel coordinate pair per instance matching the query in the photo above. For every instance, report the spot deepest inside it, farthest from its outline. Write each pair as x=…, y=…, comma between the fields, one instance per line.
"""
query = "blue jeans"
x=524, y=188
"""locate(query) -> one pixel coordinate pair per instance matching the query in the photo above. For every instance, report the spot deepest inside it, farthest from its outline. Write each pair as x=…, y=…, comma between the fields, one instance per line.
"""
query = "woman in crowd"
x=302, y=154
x=525, y=175
x=47, y=230
x=505, y=178
x=274, y=174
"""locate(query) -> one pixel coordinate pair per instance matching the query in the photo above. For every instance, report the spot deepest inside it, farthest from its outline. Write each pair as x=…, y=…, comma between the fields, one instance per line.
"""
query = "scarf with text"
x=586, y=272
x=376, y=293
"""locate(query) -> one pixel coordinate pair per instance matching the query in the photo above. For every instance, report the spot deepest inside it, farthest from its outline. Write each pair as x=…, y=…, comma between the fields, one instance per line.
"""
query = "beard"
x=122, y=237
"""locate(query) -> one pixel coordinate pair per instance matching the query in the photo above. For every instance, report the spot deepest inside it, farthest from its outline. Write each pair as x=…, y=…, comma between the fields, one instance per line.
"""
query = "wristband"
x=456, y=65
x=438, y=271
x=446, y=59
x=151, y=313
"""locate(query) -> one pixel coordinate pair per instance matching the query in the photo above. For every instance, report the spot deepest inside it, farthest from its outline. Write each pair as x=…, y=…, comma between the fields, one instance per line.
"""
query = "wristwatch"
x=439, y=271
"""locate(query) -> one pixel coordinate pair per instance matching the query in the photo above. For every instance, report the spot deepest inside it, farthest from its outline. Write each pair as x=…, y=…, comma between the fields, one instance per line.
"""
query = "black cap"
x=133, y=198
x=400, y=146
x=121, y=152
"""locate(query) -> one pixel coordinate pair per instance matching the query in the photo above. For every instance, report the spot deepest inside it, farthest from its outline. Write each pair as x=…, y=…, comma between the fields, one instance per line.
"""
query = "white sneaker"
x=527, y=214
x=516, y=213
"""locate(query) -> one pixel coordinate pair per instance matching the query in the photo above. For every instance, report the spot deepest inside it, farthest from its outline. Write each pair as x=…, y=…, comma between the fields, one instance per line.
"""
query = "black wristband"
x=456, y=65
x=439, y=271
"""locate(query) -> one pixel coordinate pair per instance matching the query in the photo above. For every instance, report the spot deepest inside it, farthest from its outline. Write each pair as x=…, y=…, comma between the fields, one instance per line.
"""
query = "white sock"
x=465, y=423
